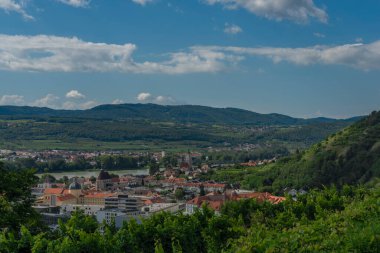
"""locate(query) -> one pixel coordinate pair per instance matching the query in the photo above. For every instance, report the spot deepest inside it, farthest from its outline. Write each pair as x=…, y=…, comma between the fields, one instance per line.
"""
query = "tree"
x=93, y=179
x=202, y=191
x=170, y=160
x=153, y=168
x=16, y=199
x=179, y=193
x=51, y=178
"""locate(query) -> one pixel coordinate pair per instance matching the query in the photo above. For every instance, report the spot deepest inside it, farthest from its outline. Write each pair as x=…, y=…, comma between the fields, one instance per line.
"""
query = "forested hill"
x=154, y=112
x=348, y=157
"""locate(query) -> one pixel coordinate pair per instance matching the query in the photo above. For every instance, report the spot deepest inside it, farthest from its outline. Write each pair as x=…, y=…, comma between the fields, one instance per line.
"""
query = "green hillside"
x=156, y=127
x=350, y=156
x=154, y=112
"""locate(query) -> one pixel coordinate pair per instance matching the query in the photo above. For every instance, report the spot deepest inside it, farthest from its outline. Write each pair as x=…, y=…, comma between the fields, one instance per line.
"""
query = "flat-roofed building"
x=124, y=202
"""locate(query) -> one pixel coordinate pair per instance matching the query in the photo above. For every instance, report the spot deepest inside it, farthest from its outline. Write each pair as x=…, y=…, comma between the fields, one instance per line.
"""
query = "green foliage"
x=154, y=167
x=16, y=199
x=179, y=193
x=118, y=162
x=351, y=227
x=107, y=162
x=328, y=220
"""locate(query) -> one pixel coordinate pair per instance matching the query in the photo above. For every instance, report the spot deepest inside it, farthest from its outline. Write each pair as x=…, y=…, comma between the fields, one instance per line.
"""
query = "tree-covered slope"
x=169, y=113
x=350, y=156
x=155, y=126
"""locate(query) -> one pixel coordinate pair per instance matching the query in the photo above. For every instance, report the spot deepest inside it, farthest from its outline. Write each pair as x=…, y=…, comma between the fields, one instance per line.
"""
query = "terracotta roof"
x=259, y=196
x=65, y=197
x=252, y=164
x=174, y=180
x=65, y=191
x=157, y=200
x=215, y=201
x=215, y=205
x=148, y=202
x=56, y=191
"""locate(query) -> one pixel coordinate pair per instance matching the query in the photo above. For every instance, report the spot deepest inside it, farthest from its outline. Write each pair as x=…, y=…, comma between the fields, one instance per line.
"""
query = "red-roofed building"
x=215, y=201
x=259, y=196
x=66, y=199
x=249, y=164
x=55, y=191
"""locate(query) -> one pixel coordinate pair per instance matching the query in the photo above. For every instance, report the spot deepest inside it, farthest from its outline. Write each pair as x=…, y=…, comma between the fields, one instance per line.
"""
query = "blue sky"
x=302, y=58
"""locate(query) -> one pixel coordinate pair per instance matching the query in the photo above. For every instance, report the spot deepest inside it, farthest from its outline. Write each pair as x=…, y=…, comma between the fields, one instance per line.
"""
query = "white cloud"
x=88, y=104
x=144, y=96
x=142, y=2
x=359, y=40
x=319, y=35
x=75, y=94
x=15, y=6
x=49, y=100
x=299, y=11
x=147, y=97
x=61, y=54
x=70, y=105
x=360, y=56
x=76, y=3
x=12, y=100
x=165, y=100
x=51, y=53
x=117, y=101
x=232, y=29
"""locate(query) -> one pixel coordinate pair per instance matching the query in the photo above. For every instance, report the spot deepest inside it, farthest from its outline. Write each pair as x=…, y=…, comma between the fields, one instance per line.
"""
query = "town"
x=116, y=198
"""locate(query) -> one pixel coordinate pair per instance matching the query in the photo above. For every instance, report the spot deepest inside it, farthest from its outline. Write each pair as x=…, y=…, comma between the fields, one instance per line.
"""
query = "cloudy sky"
x=304, y=58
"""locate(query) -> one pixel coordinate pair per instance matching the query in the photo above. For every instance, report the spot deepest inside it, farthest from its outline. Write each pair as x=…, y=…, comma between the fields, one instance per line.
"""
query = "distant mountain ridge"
x=176, y=113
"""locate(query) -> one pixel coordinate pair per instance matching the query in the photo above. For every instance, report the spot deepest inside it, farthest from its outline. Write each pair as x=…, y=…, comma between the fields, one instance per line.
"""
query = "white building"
x=87, y=209
x=124, y=202
x=118, y=216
